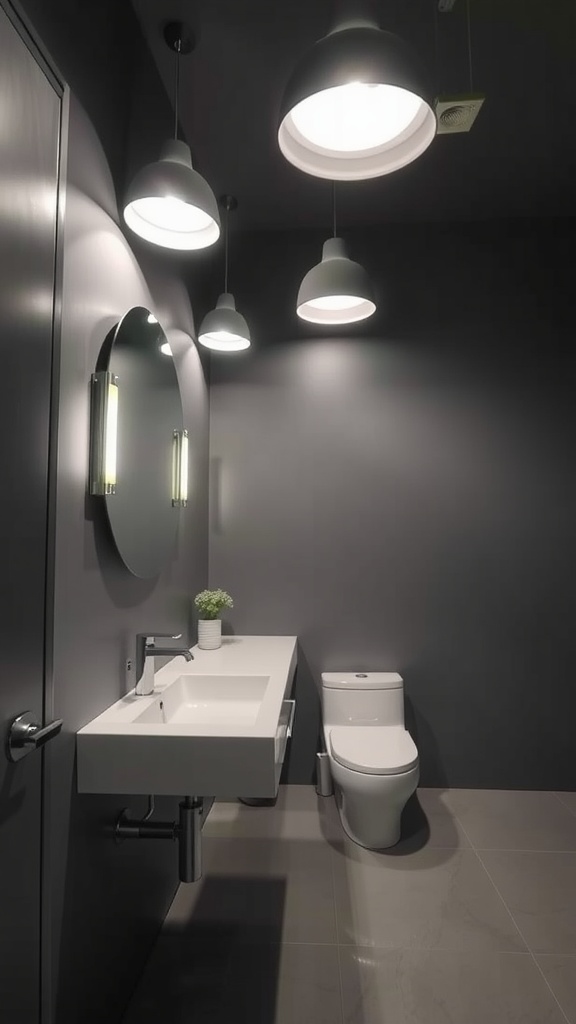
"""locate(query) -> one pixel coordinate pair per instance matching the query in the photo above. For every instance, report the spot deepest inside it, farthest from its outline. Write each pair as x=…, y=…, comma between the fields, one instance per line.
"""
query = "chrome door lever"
x=25, y=735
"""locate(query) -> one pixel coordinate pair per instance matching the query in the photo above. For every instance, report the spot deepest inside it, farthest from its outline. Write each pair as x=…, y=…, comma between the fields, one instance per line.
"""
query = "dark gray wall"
x=104, y=902
x=401, y=495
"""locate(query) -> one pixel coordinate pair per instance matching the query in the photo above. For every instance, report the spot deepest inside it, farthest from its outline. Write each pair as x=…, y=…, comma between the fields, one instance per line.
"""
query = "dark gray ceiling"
x=519, y=160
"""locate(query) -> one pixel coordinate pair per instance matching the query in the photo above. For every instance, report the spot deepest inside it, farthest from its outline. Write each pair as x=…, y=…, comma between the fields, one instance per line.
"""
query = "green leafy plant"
x=211, y=602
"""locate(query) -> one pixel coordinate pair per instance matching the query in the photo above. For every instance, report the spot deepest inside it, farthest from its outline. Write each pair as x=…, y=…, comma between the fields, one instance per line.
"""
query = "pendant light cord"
x=334, y=209
x=436, y=48
x=177, y=49
x=469, y=45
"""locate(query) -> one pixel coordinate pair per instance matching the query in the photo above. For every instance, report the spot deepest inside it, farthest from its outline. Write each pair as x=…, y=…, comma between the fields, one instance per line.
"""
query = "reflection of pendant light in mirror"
x=103, y=432
x=224, y=329
x=168, y=202
x=356, y=106
x=180, y=469
x=336, y=290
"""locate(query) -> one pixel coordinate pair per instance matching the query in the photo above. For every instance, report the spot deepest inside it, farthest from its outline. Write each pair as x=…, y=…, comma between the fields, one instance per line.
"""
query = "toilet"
x=373, y=758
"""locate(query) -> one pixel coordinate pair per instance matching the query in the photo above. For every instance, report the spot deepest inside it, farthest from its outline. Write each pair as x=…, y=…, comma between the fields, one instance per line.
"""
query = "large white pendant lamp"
x=168, y=202
x=224, y=329
x=337, y=290
x=356, y=106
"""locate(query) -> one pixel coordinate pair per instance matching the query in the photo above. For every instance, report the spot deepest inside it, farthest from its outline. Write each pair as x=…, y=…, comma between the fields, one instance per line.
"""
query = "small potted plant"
x=209, y=604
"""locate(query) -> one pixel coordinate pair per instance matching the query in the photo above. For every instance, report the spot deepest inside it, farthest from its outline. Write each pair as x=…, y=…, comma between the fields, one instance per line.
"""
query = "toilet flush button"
x=361, y=675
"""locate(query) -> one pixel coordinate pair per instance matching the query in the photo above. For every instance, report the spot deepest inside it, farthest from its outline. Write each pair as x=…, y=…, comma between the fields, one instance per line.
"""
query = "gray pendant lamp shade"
x=337, y=290
x=224, y=329
x=168, y=202
x=357, y=106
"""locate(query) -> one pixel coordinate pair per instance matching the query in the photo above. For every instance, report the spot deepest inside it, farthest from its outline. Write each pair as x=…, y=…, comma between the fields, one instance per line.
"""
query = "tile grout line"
x=514, y=849
x=564, y=804
x=514, y=922
x=520, y=933
x=338, y=944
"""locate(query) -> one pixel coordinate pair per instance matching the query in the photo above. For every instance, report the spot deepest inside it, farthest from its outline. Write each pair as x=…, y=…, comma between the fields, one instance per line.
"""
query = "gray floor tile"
x=569, y=800
x=560, y=973
x=299, y=813
x=540, y=891
x=432, y=987
x=269, y=890
x=428, y=821
x=430, y=898
x=188, y=982
x=513, y=819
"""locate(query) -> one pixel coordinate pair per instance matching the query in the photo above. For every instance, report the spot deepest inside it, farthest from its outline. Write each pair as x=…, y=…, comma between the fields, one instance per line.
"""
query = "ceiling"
x=519, y=160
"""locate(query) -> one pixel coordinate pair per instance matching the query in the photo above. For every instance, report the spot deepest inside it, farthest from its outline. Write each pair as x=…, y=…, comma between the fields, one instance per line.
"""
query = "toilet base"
x=385, y=832
x=370, y=806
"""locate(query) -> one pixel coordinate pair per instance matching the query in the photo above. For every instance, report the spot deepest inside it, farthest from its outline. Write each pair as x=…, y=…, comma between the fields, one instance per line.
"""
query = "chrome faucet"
x=146, y=648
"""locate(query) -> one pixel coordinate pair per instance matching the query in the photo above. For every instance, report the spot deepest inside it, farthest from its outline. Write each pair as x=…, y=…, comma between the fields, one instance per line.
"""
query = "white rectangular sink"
x=215, y=726
x=208, y=700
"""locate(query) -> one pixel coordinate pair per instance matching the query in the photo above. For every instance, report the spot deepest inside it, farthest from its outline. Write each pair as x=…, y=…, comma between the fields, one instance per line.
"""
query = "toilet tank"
x=362, y=698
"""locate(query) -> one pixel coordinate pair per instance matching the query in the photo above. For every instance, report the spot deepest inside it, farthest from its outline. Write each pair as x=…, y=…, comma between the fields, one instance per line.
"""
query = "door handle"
x=25, y=735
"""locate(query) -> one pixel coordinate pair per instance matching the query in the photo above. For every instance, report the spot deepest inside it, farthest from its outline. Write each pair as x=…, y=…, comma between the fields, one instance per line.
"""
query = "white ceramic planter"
x=209, y=634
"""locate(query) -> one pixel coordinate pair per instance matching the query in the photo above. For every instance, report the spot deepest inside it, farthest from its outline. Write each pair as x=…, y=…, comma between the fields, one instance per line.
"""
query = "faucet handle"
x=149, y=638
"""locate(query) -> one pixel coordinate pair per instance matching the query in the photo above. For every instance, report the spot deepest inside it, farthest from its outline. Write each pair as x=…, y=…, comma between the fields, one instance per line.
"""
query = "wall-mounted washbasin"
x=208, y=700
x=215, y=726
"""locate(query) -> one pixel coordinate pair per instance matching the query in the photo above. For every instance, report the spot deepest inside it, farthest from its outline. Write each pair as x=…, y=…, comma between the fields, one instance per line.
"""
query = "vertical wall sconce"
x=103, y=432
x=180, y=469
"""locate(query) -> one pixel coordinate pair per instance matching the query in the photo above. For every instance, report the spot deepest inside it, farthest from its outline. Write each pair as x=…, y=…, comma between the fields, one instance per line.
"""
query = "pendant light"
x=224, y=329
x=356, y=106
x=336, y=290
x=168, y=202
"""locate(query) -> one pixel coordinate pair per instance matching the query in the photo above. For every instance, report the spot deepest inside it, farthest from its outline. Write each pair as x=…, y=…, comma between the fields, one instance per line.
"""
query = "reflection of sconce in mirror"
x=103, y=432
x=180, y=469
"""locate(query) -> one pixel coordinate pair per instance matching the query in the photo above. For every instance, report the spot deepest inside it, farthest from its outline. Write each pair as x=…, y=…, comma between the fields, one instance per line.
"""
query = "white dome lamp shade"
x=168, y=202
x=337, y=290
x=224, y=329
x=357, y=106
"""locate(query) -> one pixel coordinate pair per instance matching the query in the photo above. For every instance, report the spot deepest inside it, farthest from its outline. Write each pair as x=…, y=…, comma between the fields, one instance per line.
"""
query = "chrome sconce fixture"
x=168, y=202
x=224, y=329
x=180, y=469
x=337, y=290
x=103, y=432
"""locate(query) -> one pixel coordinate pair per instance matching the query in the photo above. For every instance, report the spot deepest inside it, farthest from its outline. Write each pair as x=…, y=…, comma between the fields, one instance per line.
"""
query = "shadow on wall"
x=300, y=765
x=431, y=764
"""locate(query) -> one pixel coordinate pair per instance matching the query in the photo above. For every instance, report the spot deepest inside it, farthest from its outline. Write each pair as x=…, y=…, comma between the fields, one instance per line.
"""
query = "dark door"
x=30, y=113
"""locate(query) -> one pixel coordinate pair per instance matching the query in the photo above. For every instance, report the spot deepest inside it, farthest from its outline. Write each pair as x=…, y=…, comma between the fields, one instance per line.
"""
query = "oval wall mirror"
x=142, y=516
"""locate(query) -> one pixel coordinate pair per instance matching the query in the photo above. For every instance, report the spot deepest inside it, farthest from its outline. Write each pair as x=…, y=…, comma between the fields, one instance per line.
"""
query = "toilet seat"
x=373, y=749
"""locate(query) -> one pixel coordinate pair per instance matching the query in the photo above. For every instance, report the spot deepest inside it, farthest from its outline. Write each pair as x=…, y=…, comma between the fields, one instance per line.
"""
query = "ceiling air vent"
x=457, y=113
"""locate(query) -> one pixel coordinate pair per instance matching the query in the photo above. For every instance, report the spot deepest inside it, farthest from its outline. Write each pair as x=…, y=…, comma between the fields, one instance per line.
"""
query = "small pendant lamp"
x=168, y=202
x=336, y=290
x=356, y=106
x=224, y=329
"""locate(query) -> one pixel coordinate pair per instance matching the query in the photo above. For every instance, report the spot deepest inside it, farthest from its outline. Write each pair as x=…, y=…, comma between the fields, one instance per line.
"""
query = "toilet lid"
x=374, y=749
